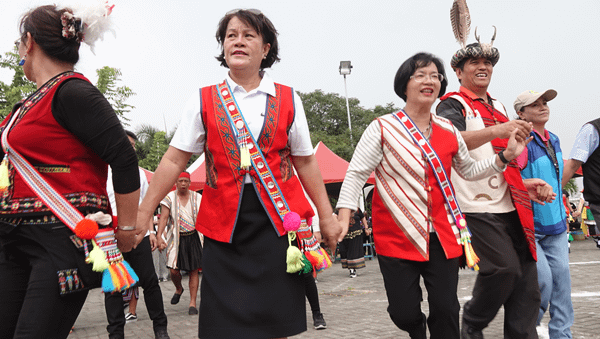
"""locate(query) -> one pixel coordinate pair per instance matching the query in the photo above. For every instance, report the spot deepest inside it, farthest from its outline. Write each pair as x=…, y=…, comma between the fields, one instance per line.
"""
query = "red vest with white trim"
x=389, y=236
x=225, y=179
x=69, y=166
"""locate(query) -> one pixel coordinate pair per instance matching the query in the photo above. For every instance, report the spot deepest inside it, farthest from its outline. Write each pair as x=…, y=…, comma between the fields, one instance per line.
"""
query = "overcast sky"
x=166, y=49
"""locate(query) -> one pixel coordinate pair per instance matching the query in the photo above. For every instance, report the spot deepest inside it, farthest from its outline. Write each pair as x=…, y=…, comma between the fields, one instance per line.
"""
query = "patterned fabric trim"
x=354, y=234
x=211, y=172
x=52, y=168
x=228, y=139
x=35, y=205
x=286, y=168
x=69, y=281
x=267, y=135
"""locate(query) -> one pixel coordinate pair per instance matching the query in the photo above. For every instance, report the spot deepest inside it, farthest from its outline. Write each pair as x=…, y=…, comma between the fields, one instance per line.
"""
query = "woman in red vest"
x=69, y=132
x=247, y=125
x=415, y=217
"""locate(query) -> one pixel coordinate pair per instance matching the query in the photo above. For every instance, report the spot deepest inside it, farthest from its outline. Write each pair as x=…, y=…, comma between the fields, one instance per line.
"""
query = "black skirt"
x=189, y=254
x=246, y=291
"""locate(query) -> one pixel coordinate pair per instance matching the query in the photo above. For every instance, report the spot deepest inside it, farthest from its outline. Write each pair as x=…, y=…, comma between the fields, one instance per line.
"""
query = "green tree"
x=108, y=79
x=327, y=118
x=146, y=147
x=571, y=187
x=18, y=88
x=158, y=147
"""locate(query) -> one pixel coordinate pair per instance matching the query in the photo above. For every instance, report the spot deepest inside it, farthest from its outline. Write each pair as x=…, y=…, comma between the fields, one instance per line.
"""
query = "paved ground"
x=356, y=308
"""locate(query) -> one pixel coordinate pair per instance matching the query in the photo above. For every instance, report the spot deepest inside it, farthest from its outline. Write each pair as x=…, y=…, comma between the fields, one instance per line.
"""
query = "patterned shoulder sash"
x=440, y=175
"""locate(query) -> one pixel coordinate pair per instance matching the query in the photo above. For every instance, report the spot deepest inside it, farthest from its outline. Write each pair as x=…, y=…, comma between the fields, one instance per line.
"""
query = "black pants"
x=312, y=294
x=401, y=279
x=30, y=303
x=507, y=275
x=140, y=260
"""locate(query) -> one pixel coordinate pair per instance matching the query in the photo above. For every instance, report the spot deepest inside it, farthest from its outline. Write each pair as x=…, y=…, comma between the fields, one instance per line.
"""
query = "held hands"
x=504, y=131
x=153, y=242
x=330, y=231
x=162, y=244
x=539, y=191
x=125, y=240
x=516, y=144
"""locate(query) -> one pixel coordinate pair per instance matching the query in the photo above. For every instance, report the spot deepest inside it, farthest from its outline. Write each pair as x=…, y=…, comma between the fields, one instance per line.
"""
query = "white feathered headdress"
x=90, y=17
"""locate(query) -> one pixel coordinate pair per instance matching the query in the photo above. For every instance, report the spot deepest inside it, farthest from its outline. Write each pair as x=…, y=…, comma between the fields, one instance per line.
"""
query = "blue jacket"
x=550, y=218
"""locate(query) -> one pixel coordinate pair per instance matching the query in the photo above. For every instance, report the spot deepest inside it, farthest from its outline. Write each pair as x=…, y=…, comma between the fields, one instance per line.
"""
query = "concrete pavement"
x=356, y=308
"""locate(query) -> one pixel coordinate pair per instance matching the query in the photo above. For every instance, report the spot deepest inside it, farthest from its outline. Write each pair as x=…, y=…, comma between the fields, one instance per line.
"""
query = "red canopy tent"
x=197, y=172
x=148, y=174
x=332, y=167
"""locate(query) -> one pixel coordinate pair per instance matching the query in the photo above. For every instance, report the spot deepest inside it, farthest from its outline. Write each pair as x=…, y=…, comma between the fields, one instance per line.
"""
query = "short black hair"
x=261, y=24
x=131, y=134
x=408, y=68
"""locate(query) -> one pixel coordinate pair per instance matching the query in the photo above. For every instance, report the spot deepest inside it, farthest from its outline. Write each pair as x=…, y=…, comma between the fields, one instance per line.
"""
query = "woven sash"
x=257, y=159
x=434, y=161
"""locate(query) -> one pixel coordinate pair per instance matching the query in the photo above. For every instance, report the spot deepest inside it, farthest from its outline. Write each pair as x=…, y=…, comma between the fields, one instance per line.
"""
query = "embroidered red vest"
x=390, y=239
x=225, y=179
x=69, y=166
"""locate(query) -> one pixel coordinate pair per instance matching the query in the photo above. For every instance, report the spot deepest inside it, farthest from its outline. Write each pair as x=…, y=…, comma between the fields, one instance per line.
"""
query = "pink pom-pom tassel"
x=291, y=222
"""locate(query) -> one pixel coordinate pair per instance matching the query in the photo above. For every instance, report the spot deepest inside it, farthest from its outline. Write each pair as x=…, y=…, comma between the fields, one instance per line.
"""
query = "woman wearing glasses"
x=245, y=290
x=415, y=216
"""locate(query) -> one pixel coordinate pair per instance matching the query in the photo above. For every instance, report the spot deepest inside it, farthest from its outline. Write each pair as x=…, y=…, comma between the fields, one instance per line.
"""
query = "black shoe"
x=421, y=331
x=161, y=334
x=468, y=332
x=176, y=297
x=192, y=310
x=318, y=321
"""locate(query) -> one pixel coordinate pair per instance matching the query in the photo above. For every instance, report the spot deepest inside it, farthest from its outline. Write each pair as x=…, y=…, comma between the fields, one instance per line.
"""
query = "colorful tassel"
x=294, y=256
x=465, y=240
x=4, y=182
x=306, y=265
x=98, y=258
x=472, y=258
x=118, y=277
x=244, y=157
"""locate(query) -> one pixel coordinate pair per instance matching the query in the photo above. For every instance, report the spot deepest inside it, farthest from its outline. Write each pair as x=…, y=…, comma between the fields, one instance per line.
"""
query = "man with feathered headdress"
x=497, y=208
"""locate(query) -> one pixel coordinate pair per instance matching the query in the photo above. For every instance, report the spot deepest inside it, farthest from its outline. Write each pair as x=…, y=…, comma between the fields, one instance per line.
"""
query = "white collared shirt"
x=190, y=135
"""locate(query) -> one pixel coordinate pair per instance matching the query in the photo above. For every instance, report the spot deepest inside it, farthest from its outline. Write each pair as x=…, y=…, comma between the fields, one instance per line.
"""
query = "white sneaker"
x=129, y=317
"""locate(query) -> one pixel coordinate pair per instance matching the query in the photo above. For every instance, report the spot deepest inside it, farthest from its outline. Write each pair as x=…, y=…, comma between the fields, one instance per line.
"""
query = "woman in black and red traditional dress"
x=68, y=131
x=352, y=253
x=245, y=290
x=417, y=226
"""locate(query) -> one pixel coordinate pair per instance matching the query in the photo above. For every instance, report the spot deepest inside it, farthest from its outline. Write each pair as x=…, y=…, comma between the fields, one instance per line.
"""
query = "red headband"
x=185, y=175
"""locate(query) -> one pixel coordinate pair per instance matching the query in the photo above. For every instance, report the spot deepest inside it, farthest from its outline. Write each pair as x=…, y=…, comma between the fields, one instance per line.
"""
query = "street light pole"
x=345, y=69
x=348, y=109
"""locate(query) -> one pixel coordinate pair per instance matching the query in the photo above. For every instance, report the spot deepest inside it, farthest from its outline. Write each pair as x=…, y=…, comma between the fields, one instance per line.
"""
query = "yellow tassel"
x=4, y=182
x=98, y=258
x=244, y=157
x=472, y=258
x=294, y=256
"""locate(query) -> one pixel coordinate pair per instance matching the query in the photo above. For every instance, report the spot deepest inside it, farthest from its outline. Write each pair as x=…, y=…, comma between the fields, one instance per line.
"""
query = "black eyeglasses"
x=251, y=10
x=18, y=42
